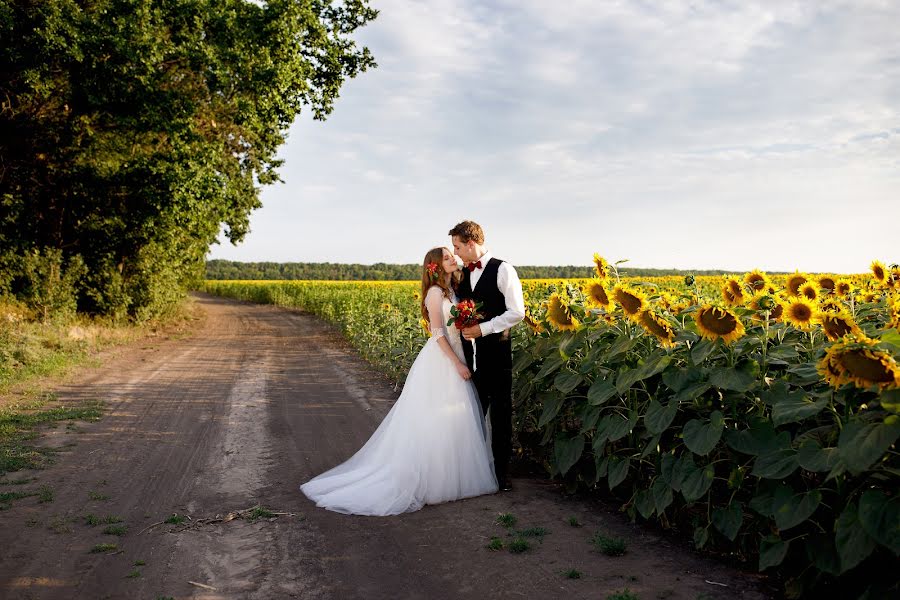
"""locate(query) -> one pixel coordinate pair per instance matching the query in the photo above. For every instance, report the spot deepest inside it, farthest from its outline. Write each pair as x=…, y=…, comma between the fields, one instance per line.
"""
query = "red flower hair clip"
x=432, y=269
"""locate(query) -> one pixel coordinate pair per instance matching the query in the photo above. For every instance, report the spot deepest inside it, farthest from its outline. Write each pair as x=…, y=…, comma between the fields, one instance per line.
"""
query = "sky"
x=686, y=135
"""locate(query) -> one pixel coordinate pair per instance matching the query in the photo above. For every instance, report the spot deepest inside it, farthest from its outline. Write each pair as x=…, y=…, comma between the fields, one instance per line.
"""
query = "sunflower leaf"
x=566, y=381
x=601, y=391
x=772, y=551
x=862, y=444
x=853, y=543
x=792, y=509
x=880, y=517
x=567, y=451
x=728, y=520
x=658, y=418
x=701, y=350
x=700, y=437
x=618, y=470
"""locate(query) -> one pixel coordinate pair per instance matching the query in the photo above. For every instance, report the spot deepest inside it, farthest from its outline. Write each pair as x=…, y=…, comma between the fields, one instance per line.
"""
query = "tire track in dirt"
x=256, y=401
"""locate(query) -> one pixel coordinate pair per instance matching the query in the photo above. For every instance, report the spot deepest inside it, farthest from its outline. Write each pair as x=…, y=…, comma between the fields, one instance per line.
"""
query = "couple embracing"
x=449, y=434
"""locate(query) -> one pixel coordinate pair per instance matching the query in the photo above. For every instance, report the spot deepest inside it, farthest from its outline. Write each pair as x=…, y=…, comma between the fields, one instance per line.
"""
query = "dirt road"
x=257, y=400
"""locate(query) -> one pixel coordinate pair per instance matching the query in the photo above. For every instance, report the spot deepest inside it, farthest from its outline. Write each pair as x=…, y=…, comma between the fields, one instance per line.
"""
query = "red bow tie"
x=474, y=265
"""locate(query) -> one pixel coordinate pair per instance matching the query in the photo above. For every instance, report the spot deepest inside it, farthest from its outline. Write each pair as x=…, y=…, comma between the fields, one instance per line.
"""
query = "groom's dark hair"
x=468, y=230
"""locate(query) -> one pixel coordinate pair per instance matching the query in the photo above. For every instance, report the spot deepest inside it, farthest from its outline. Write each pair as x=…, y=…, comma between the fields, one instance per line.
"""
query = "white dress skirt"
x=433, y=446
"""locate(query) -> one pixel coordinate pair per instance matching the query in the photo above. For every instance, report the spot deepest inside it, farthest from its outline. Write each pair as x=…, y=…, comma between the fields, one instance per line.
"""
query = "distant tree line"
x=227, y=269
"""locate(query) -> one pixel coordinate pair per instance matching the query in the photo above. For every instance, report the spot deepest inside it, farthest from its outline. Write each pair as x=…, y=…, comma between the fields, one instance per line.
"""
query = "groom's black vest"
x=496, y=348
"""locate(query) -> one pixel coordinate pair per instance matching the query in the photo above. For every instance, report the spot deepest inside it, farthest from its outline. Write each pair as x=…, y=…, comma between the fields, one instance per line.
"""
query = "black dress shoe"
x=505, y=485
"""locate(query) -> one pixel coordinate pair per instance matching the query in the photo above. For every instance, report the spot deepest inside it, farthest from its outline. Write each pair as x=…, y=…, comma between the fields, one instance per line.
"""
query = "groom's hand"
x=470, y=333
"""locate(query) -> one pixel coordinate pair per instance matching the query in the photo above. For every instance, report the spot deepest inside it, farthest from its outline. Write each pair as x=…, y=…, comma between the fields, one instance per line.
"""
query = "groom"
x=495, y=284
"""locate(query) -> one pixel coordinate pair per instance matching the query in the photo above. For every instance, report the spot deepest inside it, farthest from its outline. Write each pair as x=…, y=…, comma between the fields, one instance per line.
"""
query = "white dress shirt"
x=509, y=285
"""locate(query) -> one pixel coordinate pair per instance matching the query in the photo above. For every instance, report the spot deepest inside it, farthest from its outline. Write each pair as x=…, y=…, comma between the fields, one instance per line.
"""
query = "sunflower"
x=601, y=267
x=658, y=328
x=838, y=324
x=831, y=305
x=425, y=327
x=559, y=315
x=867, y=297
x=385, y=306
x=827, y=283
x=732, y=292
x=842, y=287
x=715, y=323
x=809, y=291
x=893, y=279
x=756, y=280
x=857, y=360
x=878, y=271
x=766, y=302
x=536, y=327
x=895, y=314
x=632, y=301
x=596, y=295
x=793, y=283
x=800, y=312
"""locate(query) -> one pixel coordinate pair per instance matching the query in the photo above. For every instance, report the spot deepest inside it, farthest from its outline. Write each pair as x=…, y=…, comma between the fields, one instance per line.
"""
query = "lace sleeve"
x=434, y=303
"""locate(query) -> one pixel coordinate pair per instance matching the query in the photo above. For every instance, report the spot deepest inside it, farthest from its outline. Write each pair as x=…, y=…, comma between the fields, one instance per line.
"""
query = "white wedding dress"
x=433, y=446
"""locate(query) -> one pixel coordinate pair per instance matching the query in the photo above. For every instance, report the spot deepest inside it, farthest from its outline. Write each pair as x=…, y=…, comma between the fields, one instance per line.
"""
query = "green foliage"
x=133, y=131
x=519, y=545
x=610, y=546
x=625, y=594
x=234, y=270
x=745, y=445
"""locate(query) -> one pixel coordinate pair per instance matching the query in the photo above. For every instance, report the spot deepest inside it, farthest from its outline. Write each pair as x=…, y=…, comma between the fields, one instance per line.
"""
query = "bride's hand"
x=463, y=371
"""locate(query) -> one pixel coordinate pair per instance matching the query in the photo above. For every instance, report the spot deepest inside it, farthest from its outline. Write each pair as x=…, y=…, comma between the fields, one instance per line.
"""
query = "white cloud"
x=689, y=134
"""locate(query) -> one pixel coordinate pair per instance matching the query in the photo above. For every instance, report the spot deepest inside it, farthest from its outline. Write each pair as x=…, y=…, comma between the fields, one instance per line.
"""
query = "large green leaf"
x=728, y=520
x=853, y=543
x=862, y=444
x=701, y=437
x=739, y=379
x=776, y=465
x=678, y=379
x=813, y=457
x=701, y=350
x=619, y=347
x=791, y=509
x=566, y=381
x=662, y=495
x=696, y=481
x=617, y=470
x=589, y=420
x=567, y=450
x=523, y=361
x=658, y=418
x=692, y=391
x=552, y=403
x=796, y=406
x=759, y=439
x=890, y=400
x=880, y=517
x=772, y=551
x=619, y=427
x=551, y=363
x=643, y=501
x=601, y=391
x=821, y=552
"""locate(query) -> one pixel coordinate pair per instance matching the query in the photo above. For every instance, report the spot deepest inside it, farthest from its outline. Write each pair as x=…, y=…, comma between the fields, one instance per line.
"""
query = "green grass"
x=572, y=574
x=519, y=545
x=176, y=519
x=22, y=481
x=260, y=513
x=625, y=594
x=139, y=563
x=609, y=546
x=573, y=521
x=116, y=530
x=135, y=573
x=495, y=544
x=18, y=427
x=97, y=496
x=507, y=520
x=100, y=548
x=535, y=532
x=7, y=498
x=45, y=494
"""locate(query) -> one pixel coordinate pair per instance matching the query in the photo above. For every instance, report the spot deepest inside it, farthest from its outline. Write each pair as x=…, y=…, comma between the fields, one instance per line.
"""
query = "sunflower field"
x=756, y=413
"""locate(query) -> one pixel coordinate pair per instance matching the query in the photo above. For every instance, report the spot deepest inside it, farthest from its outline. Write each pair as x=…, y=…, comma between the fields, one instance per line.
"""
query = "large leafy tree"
x=132, y=131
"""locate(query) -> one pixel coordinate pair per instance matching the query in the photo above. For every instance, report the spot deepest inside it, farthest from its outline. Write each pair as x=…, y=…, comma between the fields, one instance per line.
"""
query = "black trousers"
x=493, y=381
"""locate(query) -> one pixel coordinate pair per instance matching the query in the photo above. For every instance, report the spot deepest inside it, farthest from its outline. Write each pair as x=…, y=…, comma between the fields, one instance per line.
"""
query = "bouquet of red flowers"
x=465, y=314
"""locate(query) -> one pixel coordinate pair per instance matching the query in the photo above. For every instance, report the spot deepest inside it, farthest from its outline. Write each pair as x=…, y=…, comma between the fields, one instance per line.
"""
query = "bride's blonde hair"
x=436, y=255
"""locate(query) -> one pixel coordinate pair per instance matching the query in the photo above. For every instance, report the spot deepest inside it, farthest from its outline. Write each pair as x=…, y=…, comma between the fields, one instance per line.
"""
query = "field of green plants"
x=758, y=414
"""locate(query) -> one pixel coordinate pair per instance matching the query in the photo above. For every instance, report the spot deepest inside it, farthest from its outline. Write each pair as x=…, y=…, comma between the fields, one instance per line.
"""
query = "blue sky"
x=683, y=135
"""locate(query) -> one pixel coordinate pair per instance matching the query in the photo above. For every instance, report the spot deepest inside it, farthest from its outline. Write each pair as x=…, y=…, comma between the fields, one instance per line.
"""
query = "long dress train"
x=433, y=446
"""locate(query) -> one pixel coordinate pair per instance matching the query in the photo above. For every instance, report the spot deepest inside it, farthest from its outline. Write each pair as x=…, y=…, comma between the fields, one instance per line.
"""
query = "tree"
x=131, y=131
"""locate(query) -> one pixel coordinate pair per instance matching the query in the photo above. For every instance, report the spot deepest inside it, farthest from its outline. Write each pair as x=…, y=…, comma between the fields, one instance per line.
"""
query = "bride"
x=433, y=446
